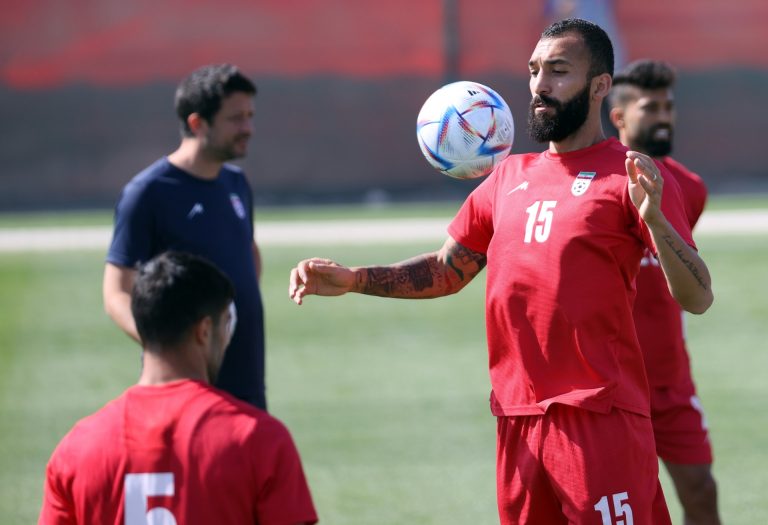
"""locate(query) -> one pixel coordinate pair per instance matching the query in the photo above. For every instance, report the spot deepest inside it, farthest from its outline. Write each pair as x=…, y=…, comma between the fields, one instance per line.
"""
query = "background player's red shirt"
x=184, y=448
x=564, y=244
x=658, y=317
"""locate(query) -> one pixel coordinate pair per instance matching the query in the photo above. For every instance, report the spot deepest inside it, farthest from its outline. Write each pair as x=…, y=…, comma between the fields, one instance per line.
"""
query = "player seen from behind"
x=173, y=448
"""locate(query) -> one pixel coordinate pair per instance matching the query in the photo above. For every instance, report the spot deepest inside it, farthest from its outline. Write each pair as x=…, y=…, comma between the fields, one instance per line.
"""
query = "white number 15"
x=621, y=509
x=539, y=220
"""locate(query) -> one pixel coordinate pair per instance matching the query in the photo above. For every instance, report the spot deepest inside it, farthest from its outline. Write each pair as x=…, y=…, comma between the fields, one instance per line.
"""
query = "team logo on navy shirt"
x=197, y=209
x=581, y=183
x=237, y=205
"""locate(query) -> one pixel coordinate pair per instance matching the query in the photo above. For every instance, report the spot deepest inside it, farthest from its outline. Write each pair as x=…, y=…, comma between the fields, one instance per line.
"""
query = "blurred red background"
x=86, y=86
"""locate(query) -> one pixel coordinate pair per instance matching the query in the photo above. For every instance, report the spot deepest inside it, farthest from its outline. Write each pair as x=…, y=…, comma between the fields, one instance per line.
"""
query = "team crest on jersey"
x=237, y=205
x=581, y=183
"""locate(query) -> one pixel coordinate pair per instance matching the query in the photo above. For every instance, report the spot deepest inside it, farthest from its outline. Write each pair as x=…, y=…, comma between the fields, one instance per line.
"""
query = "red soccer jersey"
x=658, y=317
x=185, y=452
x=563, y=242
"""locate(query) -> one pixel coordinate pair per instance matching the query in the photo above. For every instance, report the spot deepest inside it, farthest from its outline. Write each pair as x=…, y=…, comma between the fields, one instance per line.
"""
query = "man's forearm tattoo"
x=424, y=276
x=686, y=262
x=400, y=281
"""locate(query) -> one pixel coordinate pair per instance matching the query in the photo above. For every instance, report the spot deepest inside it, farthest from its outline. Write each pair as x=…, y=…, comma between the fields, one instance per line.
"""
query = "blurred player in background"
x=192, y=201
x=643, y=110
x=562, y=233
x=174, y=449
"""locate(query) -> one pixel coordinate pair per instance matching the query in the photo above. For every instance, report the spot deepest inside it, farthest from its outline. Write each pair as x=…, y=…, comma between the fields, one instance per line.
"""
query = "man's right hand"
x=319, y=277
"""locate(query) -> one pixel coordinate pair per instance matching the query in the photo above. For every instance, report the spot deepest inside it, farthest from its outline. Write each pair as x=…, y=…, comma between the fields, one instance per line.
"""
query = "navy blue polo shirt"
x=165, y=208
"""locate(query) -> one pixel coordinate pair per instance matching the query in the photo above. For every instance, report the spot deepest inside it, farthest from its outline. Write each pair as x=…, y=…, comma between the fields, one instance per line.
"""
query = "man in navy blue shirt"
x=192, y=201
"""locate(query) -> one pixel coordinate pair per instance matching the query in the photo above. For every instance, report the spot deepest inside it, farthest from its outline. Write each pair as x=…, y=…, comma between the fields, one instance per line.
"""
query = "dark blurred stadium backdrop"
x=86, y=87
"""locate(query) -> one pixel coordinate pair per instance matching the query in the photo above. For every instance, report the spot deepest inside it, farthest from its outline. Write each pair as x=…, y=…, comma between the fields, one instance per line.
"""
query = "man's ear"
x=203, y=330
x=616, y=115
x=601, y=86
x=196, y=123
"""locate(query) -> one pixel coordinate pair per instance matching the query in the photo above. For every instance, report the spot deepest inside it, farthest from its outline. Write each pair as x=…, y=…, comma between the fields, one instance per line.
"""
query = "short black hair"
x=595, y=38
x=204, y=89
x=642, y=74
x=174, y=291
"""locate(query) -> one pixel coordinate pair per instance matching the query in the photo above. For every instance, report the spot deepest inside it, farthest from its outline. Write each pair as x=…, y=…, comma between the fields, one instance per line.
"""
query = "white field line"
x=320, y=232
x=737, y=222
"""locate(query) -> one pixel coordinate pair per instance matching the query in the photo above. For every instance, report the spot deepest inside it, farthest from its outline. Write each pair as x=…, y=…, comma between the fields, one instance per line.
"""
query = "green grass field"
x=387, y=399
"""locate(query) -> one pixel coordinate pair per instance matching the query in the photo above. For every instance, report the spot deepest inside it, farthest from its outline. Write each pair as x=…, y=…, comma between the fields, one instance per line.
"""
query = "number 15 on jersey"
x=539, y=223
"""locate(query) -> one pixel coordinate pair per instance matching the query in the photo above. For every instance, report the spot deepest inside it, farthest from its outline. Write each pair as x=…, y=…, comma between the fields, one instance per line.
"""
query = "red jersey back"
x=658, y=317
x=564, y=244
x=184, y=452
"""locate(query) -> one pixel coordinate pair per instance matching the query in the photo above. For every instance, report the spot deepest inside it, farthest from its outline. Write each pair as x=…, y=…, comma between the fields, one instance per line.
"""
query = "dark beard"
x=222, y=152
x=655, y=147
x=568, y=117
x=225, y=153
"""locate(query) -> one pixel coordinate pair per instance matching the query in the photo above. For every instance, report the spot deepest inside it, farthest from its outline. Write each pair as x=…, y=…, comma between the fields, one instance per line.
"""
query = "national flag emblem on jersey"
x=237, y=205
x=581, y=183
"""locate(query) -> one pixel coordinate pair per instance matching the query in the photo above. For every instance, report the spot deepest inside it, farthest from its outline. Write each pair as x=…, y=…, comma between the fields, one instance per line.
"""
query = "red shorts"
x=572, y=465
x=679, y=425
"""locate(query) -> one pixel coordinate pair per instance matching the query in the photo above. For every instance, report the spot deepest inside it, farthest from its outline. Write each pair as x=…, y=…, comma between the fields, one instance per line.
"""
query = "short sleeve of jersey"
x=473, y=225
x=57, y=507
x=285, y=498
x=132, y=238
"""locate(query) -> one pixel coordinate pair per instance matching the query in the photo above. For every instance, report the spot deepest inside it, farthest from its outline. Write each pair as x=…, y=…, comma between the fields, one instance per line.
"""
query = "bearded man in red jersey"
x=562, y=233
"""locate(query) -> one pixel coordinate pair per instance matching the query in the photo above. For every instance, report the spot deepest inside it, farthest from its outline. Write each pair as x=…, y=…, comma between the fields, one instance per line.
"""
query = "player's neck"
x=160, y=368
x=584, y=137
x=190, y=158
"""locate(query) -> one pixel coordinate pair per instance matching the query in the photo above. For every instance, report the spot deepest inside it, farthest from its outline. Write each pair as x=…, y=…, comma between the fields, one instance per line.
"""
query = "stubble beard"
x=225, y=152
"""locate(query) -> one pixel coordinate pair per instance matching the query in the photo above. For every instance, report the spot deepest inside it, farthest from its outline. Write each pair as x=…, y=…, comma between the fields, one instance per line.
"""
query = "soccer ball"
x=465, y=129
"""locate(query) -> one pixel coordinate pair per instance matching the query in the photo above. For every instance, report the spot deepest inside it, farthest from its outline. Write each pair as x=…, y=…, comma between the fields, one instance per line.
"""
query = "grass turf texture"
x=386, y=399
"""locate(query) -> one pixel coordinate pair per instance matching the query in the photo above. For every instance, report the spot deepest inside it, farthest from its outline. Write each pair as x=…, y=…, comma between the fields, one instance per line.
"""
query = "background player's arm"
x=426, y=276
x=116, y=290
